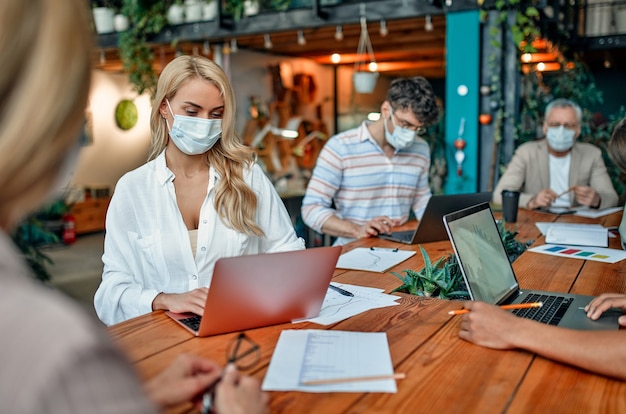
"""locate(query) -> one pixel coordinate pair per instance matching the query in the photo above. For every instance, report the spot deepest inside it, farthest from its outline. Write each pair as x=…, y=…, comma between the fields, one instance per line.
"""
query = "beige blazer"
x=528, y=172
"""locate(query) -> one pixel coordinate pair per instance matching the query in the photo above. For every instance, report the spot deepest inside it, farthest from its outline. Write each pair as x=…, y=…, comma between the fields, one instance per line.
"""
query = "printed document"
x=314, y=355
x=337, y=307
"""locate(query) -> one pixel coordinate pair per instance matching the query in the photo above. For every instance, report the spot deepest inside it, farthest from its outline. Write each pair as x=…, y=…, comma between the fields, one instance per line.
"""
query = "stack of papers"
x=338, y=361
x=577, y=234
x=337, y=307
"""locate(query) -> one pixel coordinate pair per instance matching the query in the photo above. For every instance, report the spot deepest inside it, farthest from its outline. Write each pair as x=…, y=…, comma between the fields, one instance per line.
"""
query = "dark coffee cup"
x=510, y=201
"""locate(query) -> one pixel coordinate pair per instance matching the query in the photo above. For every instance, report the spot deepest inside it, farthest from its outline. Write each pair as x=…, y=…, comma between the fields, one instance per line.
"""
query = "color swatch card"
x=598, y=254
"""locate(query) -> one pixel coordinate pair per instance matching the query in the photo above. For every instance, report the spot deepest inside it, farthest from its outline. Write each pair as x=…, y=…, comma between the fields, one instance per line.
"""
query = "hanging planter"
x=365, y=76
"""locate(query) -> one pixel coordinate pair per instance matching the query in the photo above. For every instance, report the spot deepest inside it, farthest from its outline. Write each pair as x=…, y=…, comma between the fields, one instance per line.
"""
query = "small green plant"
x=440, y=279
x=443, y=278
x=28, y=237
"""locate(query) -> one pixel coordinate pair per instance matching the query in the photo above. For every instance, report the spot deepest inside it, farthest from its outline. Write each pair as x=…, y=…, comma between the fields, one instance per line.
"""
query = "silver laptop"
x=430, y=228
x=266, y=289
x=490, y=278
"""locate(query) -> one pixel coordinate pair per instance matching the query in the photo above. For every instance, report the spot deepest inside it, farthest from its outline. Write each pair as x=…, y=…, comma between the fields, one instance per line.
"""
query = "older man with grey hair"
x=558, y=171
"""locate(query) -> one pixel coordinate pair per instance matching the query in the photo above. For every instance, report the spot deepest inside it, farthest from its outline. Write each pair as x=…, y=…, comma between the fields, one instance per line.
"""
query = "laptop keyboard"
x=552, y=311
x=193, y=322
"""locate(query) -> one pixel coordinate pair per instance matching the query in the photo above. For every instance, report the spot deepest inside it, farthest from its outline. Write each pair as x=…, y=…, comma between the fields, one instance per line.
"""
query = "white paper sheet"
x=592, y=213
x=337, y=307
x=302, y=355
x=373, y=259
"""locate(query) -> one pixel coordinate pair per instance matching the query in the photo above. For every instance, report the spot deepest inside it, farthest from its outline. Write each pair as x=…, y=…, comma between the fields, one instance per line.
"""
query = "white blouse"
x=147, y=248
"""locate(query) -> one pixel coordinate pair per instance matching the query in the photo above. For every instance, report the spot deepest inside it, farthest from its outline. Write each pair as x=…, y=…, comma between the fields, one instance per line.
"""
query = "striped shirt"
x=353, y=172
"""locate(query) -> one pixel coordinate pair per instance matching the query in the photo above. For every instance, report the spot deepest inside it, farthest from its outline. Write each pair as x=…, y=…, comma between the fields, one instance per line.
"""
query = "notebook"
x=253, y=291
x=489, y=275
x=430, y=228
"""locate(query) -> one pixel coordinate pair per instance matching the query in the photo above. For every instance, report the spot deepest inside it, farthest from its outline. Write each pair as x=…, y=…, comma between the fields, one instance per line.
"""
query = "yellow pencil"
x=514, y=306
x=353, y=379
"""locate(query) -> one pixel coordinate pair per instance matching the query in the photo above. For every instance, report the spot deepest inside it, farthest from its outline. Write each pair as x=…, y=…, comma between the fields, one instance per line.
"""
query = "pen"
x=340, y=290
x=383, y=249
x=514, y=306
x=565, y=192
x=353, y=379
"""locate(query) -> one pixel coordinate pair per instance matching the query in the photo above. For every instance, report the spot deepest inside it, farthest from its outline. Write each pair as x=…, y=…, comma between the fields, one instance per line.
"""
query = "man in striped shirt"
x=377, y=173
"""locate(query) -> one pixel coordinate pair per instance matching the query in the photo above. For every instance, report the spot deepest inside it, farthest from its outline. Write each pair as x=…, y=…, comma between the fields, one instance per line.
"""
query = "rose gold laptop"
x=252, y=291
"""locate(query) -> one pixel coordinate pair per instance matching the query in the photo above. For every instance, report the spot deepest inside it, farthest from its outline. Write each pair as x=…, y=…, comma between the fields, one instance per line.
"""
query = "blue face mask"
x=192, y=135
x=401, y=137
x=560, y=138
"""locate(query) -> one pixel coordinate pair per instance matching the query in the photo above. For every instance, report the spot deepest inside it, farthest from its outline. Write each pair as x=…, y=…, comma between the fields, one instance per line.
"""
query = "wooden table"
x=444, y=373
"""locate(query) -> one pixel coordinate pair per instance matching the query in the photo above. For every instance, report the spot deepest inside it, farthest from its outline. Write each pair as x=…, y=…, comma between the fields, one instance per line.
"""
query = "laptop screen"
x=481, y=255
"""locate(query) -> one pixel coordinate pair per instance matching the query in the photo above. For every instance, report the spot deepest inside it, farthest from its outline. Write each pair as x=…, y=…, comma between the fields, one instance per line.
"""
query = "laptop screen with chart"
x=489, y=275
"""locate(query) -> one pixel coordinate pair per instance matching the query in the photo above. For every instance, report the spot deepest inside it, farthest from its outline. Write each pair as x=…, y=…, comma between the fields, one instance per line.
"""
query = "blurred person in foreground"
x=602, y=352
x=369, y=179
x=56, y=358
x=558, y=171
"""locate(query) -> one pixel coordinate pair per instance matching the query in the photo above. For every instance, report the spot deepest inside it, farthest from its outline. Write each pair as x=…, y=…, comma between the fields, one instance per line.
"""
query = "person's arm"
x=317, y=211
x=121, y=294
x=238, y=394
x=602, y=352
x=514, y=178
x=602, y=184
x=183, y=380
x=343, y=228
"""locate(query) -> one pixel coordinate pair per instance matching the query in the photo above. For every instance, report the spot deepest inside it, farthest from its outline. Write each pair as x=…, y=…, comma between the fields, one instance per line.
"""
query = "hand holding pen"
x=235, y=392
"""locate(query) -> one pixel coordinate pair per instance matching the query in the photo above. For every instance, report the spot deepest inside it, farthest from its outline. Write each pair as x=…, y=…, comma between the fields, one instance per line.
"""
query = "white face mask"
x=192, y=135
x=560, y=138
x=401, y=137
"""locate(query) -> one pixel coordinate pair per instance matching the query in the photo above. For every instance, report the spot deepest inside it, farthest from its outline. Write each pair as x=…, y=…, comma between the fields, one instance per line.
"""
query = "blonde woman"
x=199, y=198
x=58, y=359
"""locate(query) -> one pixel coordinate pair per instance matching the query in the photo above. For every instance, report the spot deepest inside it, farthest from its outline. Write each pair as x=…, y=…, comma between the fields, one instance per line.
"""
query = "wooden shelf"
x=90, y=214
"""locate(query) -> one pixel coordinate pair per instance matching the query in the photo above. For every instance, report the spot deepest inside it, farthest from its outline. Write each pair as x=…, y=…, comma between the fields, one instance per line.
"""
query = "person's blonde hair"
x=235, y=201
x=45, y=50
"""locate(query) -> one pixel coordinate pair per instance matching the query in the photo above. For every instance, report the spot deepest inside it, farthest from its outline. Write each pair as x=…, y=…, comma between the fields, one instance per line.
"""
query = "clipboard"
x=373, y=259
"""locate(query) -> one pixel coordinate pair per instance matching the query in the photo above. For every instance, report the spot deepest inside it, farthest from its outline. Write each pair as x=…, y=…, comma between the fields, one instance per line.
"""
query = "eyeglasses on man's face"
x=419, y=130
x=566, y=125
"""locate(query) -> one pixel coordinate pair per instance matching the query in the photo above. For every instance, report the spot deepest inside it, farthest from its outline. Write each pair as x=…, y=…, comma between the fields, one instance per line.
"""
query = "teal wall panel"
x=462, y=95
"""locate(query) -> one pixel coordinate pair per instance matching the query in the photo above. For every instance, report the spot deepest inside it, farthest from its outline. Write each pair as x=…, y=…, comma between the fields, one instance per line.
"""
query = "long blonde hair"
x=235, y=201
x=45, y=50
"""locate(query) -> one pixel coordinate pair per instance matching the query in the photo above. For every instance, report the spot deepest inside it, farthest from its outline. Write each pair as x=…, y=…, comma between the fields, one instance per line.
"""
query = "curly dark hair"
x=415, y=94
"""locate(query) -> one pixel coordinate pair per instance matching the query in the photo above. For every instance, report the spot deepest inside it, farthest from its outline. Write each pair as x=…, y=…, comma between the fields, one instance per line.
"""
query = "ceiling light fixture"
x=428, y=24
x=301, y=38
x=339, y=34
x=383, y=28
x=268, y=42
x=335, y=58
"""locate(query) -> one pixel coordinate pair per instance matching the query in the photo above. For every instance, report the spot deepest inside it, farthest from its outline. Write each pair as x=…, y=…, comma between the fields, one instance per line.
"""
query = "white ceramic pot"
x=103, y=19
x=364, y=82
x=209, y=10
x=598, y=19
x=250, y=7
x=120, y=22
x=620, y=19
x=193, y=11
x=176, y=14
